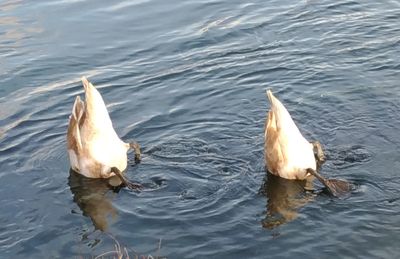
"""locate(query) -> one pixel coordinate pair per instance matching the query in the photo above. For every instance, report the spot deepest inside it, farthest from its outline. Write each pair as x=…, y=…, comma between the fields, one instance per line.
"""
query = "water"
x=186, y=79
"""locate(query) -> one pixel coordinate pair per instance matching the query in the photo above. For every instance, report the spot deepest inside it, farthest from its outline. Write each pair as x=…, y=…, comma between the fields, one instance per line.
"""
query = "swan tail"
x=283, y=120
x=86, y=84
x=95, y=107
x=281, y=115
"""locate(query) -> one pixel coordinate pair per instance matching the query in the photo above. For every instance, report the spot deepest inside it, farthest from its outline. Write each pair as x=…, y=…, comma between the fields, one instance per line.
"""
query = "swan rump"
x=287, y=153
x=94, y=147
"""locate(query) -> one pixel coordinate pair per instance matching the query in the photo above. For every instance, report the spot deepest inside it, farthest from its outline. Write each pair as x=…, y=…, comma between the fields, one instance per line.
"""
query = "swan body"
x=94, y=147
x=287, y=153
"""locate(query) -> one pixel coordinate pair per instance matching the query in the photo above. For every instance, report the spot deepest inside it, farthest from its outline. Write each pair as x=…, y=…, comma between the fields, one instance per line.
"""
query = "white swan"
x=94, y=148
x=287, y=153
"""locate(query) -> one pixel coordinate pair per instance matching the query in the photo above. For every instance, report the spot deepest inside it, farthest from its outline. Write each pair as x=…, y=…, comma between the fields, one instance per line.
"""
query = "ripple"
x=347, y=156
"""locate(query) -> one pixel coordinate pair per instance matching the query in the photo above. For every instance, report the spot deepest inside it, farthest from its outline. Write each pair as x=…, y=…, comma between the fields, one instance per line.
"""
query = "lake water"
x=187, y=80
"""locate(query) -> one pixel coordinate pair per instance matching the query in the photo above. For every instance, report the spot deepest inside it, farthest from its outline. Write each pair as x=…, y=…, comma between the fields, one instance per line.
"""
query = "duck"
x=94, y=148
x=287, y=153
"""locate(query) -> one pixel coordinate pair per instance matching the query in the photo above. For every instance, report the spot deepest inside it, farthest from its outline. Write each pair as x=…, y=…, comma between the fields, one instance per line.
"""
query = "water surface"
x=186, y=79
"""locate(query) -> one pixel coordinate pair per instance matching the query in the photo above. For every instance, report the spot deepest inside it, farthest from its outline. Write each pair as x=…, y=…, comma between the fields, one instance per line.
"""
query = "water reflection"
x=9, y=5
x=94, y=197
x=284, y=199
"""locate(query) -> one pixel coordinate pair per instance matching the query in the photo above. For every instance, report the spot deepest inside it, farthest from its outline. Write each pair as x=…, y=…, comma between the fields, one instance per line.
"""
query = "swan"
x=289, y=155
x=94, y=148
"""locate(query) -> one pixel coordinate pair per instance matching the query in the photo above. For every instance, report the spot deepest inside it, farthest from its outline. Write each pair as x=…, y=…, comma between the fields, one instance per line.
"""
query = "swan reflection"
x=94, y=197
x=284, y=199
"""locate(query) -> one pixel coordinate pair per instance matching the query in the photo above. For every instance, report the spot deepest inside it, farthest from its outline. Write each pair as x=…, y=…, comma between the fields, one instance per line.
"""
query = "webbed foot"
x=336, y=187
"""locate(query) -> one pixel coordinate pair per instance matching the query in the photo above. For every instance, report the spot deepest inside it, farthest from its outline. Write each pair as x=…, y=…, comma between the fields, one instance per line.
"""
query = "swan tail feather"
x=78, y=112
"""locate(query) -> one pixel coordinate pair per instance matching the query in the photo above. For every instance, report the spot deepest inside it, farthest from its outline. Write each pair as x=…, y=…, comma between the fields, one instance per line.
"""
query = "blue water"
x=187, y=80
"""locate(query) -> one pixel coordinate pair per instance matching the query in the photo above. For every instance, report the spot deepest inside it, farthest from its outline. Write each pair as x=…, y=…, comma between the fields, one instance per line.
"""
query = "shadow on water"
x=94, y=197
x=284, y=199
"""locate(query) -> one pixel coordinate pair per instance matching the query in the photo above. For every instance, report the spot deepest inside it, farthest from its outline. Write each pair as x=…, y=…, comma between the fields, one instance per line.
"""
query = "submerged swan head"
x=287, y=153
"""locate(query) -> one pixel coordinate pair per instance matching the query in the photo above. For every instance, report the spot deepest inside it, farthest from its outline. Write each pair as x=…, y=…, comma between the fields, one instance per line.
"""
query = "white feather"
x=288, y=153
x=98, y=146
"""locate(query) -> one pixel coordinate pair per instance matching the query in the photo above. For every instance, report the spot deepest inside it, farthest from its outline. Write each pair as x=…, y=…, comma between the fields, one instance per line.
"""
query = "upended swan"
x=288, y=154
x=94, y=148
